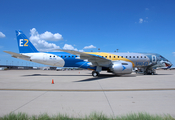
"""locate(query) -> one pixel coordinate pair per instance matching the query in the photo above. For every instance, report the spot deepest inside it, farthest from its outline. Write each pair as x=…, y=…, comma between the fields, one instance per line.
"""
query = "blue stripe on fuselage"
x=71, y=60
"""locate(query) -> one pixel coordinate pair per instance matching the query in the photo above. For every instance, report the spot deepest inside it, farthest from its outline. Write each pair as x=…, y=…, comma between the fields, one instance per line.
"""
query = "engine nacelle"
x=121, y=67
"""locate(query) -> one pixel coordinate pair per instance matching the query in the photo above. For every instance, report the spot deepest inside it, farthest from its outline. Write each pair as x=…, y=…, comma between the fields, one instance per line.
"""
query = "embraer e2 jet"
x=117, y=63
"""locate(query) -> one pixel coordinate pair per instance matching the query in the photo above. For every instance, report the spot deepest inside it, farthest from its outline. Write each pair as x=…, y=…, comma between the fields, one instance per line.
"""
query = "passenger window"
x=126, y=56
x=137, y=56
x=121, y=56
x=133, y=56
x=65, y=56
x=106, y=56
x=109, y=56
x=53, y=56
x=129, y=56
x=61, y=56
x=145, y=56
x=140, y=56
x=118, y=56
x=75, y=56
x=50, y=56
x=114, y=56
x=72, y=56
x=69, y=56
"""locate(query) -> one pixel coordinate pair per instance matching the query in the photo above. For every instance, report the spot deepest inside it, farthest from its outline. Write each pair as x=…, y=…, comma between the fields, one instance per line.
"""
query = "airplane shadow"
x=100, y=77
x=163, y=74
x=151, y=75
x=104, y=76
x=51, y=75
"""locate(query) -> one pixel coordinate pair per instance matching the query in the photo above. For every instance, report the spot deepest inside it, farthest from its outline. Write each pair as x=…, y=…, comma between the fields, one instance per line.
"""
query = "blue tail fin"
x=24, y=45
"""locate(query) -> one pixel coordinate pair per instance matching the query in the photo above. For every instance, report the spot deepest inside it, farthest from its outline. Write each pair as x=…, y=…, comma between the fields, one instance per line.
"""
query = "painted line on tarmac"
x=88, y=90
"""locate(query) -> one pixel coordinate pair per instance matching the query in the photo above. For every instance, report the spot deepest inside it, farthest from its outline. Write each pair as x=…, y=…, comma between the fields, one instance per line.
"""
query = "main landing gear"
x=95, y=73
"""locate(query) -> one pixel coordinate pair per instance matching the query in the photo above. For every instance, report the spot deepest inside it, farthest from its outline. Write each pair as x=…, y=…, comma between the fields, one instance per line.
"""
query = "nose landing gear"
x=149, y=72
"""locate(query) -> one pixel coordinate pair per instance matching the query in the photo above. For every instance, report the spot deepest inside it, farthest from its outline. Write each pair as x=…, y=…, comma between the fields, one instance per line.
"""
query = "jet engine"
x=121, y=67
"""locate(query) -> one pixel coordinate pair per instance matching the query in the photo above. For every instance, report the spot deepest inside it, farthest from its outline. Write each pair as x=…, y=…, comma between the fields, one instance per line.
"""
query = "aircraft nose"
x=168, y=64
x=171, y=65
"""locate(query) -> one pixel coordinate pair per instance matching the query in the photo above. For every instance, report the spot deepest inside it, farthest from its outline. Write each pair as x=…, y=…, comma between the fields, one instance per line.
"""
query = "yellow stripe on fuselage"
x=110, y=56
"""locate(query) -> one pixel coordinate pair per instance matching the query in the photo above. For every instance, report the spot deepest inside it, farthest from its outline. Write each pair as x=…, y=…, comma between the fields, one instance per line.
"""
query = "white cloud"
x=89, y=47
x=41, y=44
x=140, y=20
x=51, y=37
x=69, y=47
x=2, y=35
x=81, y=50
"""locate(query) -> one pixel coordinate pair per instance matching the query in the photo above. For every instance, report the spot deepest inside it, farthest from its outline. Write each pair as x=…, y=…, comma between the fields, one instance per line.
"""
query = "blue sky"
x=85, y=25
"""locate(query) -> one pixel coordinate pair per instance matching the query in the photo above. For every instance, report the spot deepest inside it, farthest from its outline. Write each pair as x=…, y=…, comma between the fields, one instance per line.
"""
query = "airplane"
x=116, y=63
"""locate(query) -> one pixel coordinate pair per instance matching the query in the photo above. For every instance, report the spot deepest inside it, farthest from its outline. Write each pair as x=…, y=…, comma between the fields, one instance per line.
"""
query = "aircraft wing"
x=16, y=55
x=96, y=60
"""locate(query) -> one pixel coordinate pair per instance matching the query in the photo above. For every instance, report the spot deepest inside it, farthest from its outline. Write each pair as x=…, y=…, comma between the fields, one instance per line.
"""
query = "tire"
x=95, y=74
x=153, y=73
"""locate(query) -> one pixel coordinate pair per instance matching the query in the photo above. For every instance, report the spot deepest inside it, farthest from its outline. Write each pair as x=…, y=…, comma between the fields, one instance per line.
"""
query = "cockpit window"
x=164, y=59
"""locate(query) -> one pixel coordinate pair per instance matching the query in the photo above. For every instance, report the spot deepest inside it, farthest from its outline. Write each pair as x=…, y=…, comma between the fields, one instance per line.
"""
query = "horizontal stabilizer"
x=16, y=55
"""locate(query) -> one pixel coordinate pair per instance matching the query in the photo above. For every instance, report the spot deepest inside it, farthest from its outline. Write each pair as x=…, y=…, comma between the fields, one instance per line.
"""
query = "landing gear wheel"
x=145, y=73
x=153, y=73
x=95, y=74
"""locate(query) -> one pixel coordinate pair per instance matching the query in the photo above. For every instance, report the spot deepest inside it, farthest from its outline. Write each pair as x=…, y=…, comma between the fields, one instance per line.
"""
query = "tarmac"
x=77, y=93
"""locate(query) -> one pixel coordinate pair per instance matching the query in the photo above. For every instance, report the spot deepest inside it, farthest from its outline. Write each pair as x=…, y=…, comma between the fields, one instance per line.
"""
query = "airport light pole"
x=98, y=49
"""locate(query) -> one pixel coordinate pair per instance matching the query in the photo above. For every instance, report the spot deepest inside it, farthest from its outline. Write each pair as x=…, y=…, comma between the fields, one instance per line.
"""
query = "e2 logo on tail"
x=22, y=43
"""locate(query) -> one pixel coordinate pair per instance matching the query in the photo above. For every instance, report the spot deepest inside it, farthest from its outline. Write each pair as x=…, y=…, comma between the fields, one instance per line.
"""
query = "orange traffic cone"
x=52, y=81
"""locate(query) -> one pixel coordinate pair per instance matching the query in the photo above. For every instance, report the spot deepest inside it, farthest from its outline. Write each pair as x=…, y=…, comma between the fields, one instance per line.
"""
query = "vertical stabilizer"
x=24, y=45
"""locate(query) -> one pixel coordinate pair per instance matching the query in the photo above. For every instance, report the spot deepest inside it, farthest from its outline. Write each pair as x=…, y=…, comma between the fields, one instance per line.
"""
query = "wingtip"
x=5, y=51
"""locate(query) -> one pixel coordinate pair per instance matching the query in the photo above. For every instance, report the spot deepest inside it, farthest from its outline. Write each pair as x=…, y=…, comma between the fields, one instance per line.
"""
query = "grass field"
x=93, y=116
